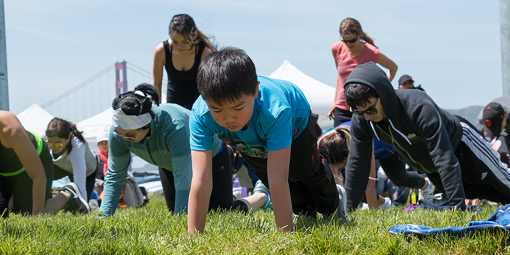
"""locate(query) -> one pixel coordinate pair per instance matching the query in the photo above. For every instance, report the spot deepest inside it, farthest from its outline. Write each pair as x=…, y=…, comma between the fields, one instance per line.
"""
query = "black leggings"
x=396, y=172
x=89, y=182
x=221, y=196
x=483, y=175
x=21, y=185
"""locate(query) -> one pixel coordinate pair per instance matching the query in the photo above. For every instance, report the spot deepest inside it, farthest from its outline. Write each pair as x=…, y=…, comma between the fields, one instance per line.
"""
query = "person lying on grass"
x=455, y=157
x=26, y=172
x=262, y=118
x=160, y=135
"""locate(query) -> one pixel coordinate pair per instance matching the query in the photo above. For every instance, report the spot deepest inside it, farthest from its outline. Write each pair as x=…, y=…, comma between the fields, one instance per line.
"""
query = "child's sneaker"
x=427, y=193
x=260, y=187
x=342, y=205
x=76, y=202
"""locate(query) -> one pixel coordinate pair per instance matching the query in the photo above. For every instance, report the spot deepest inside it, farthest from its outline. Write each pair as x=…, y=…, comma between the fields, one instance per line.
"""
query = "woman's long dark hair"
x=136, y=104
x=62, y=128
x=185, y=25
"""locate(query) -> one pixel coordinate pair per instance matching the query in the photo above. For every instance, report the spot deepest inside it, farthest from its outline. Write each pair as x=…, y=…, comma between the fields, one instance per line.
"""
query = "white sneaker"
x=387, y=204
x=427, y=193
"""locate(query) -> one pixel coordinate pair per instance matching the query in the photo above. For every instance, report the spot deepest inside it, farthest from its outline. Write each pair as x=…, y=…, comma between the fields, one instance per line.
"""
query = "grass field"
x=151, y=230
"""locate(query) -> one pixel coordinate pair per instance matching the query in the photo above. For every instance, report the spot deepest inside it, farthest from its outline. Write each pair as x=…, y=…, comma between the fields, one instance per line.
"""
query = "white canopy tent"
x=319, y=95
x=35, y=119
x=96, y=125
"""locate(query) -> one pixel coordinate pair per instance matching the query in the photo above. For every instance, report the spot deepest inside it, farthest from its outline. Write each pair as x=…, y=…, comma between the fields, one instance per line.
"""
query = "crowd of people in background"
x=221, y=118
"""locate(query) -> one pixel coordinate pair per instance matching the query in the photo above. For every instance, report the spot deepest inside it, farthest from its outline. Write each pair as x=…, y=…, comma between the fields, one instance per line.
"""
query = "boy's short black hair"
x=225, y=75
x=357, y=95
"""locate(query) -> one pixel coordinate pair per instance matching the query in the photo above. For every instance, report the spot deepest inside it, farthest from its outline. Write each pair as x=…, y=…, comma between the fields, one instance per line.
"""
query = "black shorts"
x=21, y=185
x=341, y=116
x=311, y=181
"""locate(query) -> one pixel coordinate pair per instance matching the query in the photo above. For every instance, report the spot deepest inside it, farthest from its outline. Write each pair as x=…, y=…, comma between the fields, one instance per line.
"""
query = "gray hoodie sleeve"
x=429, y=125
x=357, y=169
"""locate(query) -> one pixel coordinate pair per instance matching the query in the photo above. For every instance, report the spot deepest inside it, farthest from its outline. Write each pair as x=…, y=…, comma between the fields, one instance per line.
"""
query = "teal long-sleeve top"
x=166, y=146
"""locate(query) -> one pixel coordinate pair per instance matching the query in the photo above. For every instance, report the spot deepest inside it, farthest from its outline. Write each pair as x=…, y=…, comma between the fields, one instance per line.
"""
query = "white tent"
x=96, y=125
x=35, y=119
x=319, y=95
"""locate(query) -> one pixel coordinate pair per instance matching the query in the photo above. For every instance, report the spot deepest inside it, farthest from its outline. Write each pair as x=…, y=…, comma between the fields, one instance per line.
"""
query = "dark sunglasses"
x=371, y=111
x=352, y=40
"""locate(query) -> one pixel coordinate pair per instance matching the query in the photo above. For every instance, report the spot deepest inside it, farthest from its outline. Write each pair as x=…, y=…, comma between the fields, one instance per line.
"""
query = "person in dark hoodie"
x=455, y=157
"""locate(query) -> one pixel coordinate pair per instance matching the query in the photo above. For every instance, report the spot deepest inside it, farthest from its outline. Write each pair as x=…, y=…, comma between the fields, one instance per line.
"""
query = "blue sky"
x=452, y=48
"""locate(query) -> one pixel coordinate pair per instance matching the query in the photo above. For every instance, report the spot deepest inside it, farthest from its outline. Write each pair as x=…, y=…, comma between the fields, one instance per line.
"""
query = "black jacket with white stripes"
x=424, y=135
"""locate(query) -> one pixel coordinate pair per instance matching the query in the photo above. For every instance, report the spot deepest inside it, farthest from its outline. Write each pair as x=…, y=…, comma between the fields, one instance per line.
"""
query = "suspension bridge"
x=96, y=94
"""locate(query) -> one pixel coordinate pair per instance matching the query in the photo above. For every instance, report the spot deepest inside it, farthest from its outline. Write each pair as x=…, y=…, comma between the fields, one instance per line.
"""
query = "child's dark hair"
x=357, y=95
x=185, y=25
x=352, y=26
x=334, y=146
x=224, y=76
x=134, y=103
x=62, y=128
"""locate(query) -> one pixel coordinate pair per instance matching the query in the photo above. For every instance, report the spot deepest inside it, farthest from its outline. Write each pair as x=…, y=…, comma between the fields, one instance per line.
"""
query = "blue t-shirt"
x=381, y=150
x=280, y=114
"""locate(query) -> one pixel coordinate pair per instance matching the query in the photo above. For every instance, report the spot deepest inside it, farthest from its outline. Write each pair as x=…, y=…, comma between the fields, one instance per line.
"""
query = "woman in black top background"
x=180, y=55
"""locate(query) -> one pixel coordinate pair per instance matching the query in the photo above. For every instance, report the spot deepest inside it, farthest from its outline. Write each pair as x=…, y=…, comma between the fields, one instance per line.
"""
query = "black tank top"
x=182, y=85
x=9, y=161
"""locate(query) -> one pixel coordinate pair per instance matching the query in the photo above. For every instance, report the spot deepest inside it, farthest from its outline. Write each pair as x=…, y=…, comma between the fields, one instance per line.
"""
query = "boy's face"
x=374, y=105
x=233, y=116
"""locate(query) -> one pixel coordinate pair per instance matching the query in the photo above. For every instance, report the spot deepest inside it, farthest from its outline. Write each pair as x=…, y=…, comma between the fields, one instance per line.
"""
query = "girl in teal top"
x=160, y=135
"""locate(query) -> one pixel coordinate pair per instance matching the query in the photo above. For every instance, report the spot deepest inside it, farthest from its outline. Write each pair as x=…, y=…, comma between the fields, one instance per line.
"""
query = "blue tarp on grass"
x=498, y=220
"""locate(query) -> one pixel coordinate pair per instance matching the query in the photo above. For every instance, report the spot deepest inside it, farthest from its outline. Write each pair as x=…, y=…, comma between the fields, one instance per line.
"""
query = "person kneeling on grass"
x=160, y=135
x=335, y=146
x=262, y=118
x=455, y=157
x=72, y=156
x=131, y=195
x=26, y=172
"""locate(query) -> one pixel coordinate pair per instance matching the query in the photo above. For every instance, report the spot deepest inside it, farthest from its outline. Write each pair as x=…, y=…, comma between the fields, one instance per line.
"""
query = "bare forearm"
x=38, y=194
x=391, y=74
x=197, y=207
x=158, y=88
x=371, y=194
x=282, y=206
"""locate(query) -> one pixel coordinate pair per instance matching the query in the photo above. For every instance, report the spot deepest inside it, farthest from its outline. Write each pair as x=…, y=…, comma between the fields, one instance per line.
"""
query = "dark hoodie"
x=424, y=135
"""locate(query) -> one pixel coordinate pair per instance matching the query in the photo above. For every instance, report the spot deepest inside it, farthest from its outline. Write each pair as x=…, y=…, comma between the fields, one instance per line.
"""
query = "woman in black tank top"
x=181, y=56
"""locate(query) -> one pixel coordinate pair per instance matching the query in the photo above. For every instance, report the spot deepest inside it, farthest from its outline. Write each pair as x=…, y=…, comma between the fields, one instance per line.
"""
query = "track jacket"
x=424, y=135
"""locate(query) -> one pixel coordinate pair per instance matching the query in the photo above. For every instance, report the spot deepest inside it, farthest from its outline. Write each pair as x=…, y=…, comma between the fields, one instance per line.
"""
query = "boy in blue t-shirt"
x=262, y=118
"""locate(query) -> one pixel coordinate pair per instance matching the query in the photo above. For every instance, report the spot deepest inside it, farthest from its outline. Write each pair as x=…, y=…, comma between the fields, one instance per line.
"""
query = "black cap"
x=493, y=115
x=404, y=78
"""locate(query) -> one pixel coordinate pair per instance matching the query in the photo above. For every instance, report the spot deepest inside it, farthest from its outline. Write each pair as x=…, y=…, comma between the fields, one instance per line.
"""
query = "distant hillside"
x=469, y=113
